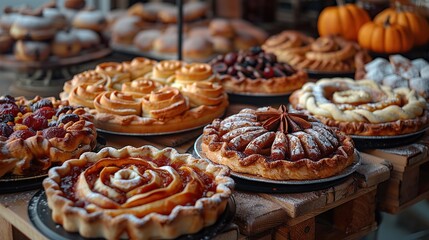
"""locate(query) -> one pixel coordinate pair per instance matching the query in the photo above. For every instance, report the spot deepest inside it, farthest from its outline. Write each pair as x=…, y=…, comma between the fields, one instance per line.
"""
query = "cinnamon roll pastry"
x=289, y=41
x=88, y=77
x=165, y=103
x=140, y=87
x=85, y=94
x=117, y=73
x=118, y=103
x=138, y=67
x=204, y=93
x=277, y=144
x=164, y=69
x=363, y=107
x=154, y=194
x=193, y=72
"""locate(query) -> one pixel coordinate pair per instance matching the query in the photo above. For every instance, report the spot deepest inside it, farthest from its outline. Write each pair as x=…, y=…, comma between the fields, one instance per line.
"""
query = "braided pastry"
x=153, y=194
x=277, y=144
x=363, y=107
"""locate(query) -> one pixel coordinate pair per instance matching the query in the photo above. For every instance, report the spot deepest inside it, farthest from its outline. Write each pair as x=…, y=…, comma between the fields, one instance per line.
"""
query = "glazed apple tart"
x=38, y=133
x=363, y=107
x=137, y=193
x=277, y=144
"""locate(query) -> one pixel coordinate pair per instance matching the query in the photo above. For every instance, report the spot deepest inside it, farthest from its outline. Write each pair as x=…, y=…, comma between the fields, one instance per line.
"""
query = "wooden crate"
x=345, y=210
x=408, y=183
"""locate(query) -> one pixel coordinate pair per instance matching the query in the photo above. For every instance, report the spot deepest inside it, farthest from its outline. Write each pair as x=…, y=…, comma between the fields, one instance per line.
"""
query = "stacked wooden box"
x=409, y=181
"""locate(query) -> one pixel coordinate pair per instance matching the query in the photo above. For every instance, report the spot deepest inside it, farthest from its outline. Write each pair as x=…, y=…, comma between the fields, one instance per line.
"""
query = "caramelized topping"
x=282, y=120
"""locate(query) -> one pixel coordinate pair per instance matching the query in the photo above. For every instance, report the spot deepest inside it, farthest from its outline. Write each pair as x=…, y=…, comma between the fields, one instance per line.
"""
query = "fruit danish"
x=137, y=193
x=363, y=107
x=38, y=133
x=277, y=144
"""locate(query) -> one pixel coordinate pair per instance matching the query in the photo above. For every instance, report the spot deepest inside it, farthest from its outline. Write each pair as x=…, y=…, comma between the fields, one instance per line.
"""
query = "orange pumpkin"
x=385, y=37
x=344, y=20
x=413, y=21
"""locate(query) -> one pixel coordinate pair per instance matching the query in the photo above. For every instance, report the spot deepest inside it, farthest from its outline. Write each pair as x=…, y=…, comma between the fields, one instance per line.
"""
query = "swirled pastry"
x=277, y=144
x=117, y=73
x=140, y=87
x=164, y=69
x=38, y=133
x=139, y=66
x=137, y=193
x=289, y=41
x=255, y=71
x=84, y=95
x=363, y=107
x=204, y=93
x=193, y=72
x=88, y=77
x=167, y=102
x=114, y=102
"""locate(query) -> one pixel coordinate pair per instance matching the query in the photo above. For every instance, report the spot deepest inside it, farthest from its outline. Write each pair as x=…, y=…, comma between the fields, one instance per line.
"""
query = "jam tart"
x=256, y=72
x=277, y=144
x=137, y=193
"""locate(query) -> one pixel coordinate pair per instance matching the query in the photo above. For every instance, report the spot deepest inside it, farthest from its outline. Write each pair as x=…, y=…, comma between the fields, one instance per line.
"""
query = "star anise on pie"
x=281, y=120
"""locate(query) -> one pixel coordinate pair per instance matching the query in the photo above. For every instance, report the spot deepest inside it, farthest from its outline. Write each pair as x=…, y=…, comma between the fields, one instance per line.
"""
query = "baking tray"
x=372, y=142
x=259, y=184
x=41, y=217
x=259, y=99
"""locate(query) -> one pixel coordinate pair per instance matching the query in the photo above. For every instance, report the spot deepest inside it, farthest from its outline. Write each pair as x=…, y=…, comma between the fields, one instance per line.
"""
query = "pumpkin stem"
x=398, y=6
x=387, y=22
x=340, y=2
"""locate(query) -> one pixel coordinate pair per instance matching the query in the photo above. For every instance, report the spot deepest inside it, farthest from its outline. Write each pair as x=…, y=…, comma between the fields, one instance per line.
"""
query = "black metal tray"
x=41, y=217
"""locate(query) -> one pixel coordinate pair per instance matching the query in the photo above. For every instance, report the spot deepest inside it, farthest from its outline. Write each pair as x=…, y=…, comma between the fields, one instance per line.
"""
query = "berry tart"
x=38, y=133
x=256, y=72
x=277, y=144
x=137, y=193
x=363, y=107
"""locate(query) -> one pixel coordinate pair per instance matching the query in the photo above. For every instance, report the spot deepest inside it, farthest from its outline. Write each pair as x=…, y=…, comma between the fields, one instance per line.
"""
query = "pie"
x=363, y=107
x=145, y=97
x=137, y=193
x=324, y=54
x=38, y=133
x=256, y=72
x=277, y=144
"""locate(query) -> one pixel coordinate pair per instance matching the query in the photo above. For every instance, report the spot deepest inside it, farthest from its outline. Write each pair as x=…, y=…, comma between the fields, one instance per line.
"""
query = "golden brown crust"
x=244, y=145
x=185, y=202
x=145, y=105
x=381, y=112
x=261, y=85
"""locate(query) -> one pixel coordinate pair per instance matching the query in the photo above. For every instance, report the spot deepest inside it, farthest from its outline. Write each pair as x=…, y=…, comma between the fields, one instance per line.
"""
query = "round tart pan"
x=259, y=99
x=371, y=142
x=247, y=182
x=314, y=74
x=40, y=215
